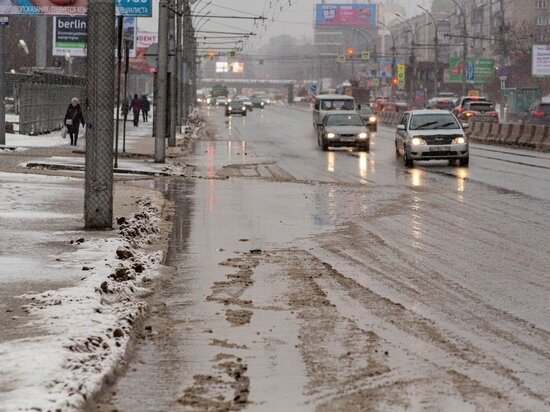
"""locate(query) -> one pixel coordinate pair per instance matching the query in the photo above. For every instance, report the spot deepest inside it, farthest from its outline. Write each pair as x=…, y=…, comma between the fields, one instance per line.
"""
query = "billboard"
x=135, y=8
x=541, y=60
x=69, y=36
x=236, y=67
x=345, y=15
x=144, y=41
x=479, y=70
x=222, y=67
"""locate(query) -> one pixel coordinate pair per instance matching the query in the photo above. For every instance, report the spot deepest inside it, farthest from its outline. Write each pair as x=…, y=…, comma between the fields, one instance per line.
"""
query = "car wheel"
x=396, y=150
x=365, y=148
x=244, y=113
x=465, y=161
x=324, y=146
x=407, y=162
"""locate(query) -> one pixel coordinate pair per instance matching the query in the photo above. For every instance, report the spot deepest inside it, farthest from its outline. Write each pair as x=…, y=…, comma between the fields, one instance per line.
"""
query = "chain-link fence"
x=41, y=99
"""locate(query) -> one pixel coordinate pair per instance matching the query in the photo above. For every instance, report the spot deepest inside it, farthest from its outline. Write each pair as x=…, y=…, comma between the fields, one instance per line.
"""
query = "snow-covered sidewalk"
x=69, y=298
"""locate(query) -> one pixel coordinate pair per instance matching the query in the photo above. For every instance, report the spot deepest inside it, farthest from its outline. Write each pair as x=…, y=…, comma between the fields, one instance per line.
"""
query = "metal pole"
x=98, y=186
x=464, y=46
x=162, y=73
x=40, y=39
x=126, y=69
x=173, y=77
x=179, y=62
x=436, y=43
x=503, y=59
x=2, y=89
x=119, y=74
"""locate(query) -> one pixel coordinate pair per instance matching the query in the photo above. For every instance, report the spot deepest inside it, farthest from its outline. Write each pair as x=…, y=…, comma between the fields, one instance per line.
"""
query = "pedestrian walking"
x=136, y=106
x=125, y=109
x=73, y=120
x=146, y=107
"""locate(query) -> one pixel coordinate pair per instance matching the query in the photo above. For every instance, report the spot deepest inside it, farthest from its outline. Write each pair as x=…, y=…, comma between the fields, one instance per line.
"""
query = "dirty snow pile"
x=83, y=331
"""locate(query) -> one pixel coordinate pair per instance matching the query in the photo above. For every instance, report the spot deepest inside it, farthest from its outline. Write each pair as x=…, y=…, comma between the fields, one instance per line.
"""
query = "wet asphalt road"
x=376, y=288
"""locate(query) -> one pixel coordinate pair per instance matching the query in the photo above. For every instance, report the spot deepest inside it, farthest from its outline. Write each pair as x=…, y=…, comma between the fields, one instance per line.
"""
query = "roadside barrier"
x=514, y=134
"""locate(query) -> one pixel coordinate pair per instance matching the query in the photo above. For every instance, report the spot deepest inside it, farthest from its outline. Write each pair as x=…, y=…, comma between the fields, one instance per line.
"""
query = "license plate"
x=440, y=148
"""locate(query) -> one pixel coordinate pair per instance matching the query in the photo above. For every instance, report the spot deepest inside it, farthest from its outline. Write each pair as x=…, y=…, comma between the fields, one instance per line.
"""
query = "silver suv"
x=431, y=134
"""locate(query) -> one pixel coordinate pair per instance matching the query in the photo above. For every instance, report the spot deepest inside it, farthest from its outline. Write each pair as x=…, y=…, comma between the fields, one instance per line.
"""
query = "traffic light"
x=350, y=52
x=394, y=81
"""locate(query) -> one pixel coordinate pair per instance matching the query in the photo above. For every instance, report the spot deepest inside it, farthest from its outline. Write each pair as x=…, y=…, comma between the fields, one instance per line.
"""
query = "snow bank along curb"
x=84, y=331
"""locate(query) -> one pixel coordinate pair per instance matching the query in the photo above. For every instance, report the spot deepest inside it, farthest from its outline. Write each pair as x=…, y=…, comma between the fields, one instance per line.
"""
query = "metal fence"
x=41, y=99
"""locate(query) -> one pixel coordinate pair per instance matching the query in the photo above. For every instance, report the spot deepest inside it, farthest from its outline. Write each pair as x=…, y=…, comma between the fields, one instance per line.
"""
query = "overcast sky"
x=295, y=19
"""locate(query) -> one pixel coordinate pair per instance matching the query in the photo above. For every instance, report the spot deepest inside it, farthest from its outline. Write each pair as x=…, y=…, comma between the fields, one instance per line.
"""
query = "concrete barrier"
x=541, y=137
x=528, y=134
x=512, y=136
x=545, y=144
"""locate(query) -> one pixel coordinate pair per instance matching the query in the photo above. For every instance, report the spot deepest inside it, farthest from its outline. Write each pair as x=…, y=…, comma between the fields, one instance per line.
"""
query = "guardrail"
x=510, y=134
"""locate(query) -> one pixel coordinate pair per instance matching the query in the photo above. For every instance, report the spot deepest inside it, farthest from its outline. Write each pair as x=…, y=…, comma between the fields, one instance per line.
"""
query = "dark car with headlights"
x=258, y=102
x=343, y=129
x=369, y=117
x=235, y=107
x=429, y=135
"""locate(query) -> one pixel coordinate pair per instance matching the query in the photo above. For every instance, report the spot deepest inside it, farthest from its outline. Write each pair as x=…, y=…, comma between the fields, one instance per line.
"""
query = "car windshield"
x=344, y=120
x=236, y=103
x=433, y=121
x=337, y=105
x=481, y=107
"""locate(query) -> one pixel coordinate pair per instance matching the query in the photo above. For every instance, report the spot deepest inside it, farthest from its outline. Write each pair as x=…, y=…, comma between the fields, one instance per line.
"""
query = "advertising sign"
x=69, y=36
x=129, y=34
x=345, y=15
x=222, y=67
x=541, y=60
x=386, y=68
x=479, y=70
x=141, y=64
x=135, y=8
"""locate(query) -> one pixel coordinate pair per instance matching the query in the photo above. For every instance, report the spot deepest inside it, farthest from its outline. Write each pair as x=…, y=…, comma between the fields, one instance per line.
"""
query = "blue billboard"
x=346, y=15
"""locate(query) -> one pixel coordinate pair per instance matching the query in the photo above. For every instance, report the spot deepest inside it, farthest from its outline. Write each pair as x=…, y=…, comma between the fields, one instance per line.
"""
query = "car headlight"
x=229, y=108
x=228, y=100
x=372, y=119
x=362, y=135
x=262, y=103
x=208, y=101
x=244, y=108
x=415, y=141
x=331, y=135
x=459, y=140
x=268, y=101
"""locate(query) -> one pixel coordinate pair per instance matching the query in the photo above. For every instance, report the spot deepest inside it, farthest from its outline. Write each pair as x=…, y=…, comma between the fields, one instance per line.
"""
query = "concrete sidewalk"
x=68, y=297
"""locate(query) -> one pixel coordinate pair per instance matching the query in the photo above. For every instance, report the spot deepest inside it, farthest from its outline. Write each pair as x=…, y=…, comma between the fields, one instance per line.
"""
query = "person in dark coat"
x=125, y=109
x=73, y=120
x=136, y=105
x=146, y=107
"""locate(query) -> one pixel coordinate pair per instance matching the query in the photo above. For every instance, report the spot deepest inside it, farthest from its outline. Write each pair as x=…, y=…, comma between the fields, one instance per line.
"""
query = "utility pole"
x=2, y=83
x=98, y=186
x=412, y=58
x=393, y=64
x=436, y=51
x=173, y=75
x=464, y=46
x=162, y=82
x=503, y=58
x=179, y=62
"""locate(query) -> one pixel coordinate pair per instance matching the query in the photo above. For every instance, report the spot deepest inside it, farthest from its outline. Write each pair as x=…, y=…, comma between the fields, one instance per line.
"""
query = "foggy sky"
x=296, y=20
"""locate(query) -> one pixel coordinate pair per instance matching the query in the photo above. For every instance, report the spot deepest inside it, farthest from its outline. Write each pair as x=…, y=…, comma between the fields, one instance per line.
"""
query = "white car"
x=221, y=101
x=431, y=134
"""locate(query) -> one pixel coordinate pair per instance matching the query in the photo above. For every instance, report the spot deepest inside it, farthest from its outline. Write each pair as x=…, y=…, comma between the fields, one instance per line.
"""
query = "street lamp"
x=436, y=43
x=393, y=49
x=23, y=46
x=464, y=46
x=412, y=57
